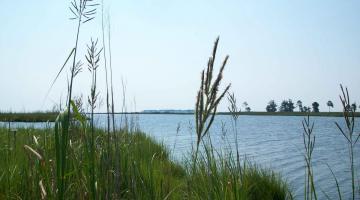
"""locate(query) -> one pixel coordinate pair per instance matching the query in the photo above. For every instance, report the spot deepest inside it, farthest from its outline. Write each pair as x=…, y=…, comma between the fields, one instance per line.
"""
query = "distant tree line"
x=290, y=106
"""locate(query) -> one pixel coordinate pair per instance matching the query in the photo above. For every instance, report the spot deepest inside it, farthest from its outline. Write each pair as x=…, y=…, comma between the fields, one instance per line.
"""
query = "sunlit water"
x=273, y=142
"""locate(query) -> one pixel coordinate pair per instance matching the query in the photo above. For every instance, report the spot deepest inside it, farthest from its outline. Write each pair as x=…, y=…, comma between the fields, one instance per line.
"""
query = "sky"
x=299, y=50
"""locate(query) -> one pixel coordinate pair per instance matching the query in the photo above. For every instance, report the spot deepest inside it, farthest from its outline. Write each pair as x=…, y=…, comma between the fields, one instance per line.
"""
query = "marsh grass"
x=309, y=144
x=93, y=58
x=208, y=98
x=350, y=135
x=222, y=174
x=83, y=11
x=147, y=171
x=217, y=177
x=234, y=111
x=145, y=163
x=28, y=117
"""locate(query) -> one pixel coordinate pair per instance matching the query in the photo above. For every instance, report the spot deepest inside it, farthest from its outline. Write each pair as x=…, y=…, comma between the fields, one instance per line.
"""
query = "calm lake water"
x=274, y=142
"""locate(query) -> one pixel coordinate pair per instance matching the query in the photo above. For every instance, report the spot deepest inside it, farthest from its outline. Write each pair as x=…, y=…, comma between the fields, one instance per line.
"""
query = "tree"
x=315, y=106
x=306, y=109
x=353, y=107
x=271, y=107
x=330, y=104
x=246, y=106
x=299, y=105
x=287, y=106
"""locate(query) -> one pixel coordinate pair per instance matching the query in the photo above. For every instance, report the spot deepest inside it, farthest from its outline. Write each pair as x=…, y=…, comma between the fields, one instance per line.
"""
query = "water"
x=272, y=141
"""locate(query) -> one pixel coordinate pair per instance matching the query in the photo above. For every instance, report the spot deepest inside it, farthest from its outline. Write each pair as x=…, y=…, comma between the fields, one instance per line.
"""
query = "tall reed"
x=93, y=58
x=235, y=112
x=309, y=144
x=117, y=160
x=108, y=153
x=349, y=134
x=207, y=98
x=83, y=11
x=213, y=175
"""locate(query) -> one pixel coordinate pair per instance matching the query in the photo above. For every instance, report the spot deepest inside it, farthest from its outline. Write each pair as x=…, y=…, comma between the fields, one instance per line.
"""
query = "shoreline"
x=51, y=117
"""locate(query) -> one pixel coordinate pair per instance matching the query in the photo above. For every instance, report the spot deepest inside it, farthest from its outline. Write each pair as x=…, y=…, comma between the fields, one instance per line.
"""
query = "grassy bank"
x=28, y=117
x=28, y=170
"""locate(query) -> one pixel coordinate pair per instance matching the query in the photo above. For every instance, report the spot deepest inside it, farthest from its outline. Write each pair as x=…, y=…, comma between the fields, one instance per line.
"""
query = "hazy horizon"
x=278, y=50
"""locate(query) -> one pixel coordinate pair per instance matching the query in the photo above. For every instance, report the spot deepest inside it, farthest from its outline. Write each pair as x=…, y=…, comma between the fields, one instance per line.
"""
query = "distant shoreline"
x=51, y=117
x=319, y=114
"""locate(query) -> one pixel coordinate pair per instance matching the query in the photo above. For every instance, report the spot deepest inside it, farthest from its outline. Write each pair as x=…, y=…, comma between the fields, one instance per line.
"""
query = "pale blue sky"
x=278, y=50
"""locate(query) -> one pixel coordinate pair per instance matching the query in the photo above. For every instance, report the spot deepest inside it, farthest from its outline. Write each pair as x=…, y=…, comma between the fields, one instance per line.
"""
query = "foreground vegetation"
x=28, y=170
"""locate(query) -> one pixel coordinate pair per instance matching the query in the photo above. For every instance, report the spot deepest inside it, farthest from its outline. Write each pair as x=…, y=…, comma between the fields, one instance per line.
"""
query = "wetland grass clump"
x=147, y=170
x=214, y=175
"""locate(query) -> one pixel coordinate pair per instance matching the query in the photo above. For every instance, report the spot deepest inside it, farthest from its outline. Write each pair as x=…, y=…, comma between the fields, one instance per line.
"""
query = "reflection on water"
x=271, y=141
